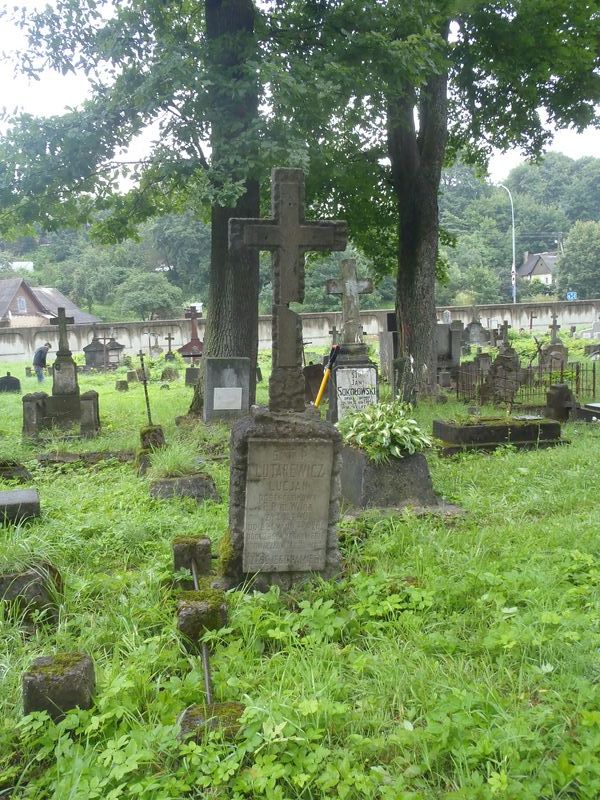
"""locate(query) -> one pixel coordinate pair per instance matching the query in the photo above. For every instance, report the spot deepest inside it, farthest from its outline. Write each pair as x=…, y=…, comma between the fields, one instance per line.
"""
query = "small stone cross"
x=350, y=288
x=554, y=329
x=169, y=339
x=334, y=334
x=288, y=235
x=504, y=328
x=62, y=321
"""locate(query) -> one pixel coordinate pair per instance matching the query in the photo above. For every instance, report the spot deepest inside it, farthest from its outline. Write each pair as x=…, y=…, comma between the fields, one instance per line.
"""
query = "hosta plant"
x=384, y=431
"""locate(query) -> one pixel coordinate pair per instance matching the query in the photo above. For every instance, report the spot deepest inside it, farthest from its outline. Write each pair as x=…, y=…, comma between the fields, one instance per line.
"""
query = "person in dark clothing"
x=39, y=360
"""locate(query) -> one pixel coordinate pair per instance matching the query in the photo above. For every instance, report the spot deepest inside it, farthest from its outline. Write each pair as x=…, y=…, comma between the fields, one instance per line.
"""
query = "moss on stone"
x=224, y=717
x=58, y=664
x=225, y=554
x=186, y=540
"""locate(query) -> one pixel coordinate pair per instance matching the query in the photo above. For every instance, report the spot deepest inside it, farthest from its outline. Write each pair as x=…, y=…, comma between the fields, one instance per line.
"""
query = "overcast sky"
x=53, y=93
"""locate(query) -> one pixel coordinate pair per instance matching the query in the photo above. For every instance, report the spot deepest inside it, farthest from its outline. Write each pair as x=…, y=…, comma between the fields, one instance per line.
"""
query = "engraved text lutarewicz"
x=288, y=488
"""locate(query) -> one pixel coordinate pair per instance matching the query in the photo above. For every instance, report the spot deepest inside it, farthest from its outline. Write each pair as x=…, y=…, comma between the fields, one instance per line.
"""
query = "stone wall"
x=18, y=344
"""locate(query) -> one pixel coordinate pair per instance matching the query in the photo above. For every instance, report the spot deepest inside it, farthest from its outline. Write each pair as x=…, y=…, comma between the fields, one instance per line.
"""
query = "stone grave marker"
x=553, y=355
x=226, y=388
x=192, y=350
x=66, y=407
x=354, y=381
x=10, y=384
x=17, y=505
x=285, y=463
x=169, y=355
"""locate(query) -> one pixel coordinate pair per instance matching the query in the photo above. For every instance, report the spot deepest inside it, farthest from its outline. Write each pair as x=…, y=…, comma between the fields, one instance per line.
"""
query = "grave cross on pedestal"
x=350, y=288
x=288, y=236
x=169, y=339
x=504, y=328
x=63, y=340
x=554, y=329
x=104, y=339
x=334, y=335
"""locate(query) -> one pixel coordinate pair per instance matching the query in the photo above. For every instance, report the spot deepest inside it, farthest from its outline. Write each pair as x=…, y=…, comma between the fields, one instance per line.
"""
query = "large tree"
x=184, y=67
x=386, y=92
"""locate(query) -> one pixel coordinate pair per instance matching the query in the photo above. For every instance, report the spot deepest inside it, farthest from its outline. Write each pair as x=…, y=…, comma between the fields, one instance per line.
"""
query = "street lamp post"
x=513, y=271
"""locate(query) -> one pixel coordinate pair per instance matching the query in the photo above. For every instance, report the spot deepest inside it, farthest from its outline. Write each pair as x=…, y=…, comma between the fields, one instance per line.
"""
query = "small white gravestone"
x=356, y=388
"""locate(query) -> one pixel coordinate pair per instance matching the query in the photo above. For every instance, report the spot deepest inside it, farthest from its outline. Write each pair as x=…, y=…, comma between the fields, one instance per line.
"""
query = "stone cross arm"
x=268, y=234
x=62, y=321
x=336, y=286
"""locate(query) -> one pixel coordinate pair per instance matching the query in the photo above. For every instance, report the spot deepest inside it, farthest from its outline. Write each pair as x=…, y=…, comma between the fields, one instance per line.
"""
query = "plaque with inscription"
x=227, y=398
x=288, y=489
x=355, y=388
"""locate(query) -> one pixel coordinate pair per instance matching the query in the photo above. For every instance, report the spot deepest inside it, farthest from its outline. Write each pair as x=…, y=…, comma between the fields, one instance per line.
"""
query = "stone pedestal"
x=284, y=499
x=354, y=382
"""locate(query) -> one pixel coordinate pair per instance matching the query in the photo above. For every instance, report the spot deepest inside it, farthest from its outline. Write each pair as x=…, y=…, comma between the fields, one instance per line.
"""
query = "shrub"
x=384, y=431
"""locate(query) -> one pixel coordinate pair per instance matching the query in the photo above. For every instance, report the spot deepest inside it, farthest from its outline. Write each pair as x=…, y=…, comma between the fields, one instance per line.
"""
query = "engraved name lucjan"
x=287, y=505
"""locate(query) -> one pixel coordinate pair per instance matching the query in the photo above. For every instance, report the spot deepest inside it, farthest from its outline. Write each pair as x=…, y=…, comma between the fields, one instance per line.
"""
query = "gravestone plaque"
x=192, y=376
x=288, y=488
x=356, y=388
x=226, y=399
x=226, y=388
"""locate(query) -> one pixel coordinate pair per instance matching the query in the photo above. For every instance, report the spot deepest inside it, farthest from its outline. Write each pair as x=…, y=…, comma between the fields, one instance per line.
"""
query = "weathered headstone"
x=192, y=376
x=226, y=388
x=284, y=479
x=313, y=376
x=10, y=384
x=554, y=355
x=446, y=317
x=354, y=383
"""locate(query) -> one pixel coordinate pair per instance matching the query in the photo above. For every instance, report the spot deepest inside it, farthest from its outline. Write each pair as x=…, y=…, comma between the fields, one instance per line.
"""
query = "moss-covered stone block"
x=200, y=611
x=196, y=720
x=192, y=548
x=58, y=683
x=152, y=437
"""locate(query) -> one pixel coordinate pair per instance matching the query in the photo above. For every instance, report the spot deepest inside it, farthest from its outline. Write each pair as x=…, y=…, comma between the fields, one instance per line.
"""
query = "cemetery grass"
x=453, y=659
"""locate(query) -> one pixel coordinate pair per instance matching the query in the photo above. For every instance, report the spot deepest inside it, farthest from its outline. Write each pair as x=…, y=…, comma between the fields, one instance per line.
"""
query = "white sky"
x=54, y=92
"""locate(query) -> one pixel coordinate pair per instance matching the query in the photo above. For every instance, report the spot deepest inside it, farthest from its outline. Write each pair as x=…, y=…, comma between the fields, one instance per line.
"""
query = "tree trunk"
x=416, y=165
x=232, y=313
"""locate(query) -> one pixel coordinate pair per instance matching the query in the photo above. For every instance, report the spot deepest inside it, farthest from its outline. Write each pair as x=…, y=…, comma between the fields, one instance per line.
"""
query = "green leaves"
x=384, y=431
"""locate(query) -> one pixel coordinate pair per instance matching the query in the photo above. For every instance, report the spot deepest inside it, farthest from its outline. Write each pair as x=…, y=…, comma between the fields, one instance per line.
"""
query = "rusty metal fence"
x=529, y=388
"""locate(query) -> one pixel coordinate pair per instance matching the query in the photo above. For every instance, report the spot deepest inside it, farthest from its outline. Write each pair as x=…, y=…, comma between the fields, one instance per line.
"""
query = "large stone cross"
x=62, y=321
x=288, y=235
x=554, y=329
x=350, y=288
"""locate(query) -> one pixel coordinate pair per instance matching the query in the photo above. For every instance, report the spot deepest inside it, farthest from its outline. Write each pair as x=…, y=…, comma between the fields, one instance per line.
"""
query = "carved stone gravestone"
x=554, y=355
x=354, y=383
x=226, y=388
x=285, y=462
x=10, y=384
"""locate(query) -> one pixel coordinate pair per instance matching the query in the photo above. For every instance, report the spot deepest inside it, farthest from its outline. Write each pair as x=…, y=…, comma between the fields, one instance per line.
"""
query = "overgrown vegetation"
x=451, y=659
x=384, y=431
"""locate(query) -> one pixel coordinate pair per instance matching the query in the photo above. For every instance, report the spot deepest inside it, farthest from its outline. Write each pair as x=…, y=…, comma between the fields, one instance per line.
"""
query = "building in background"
x=25, y=306
x=539, y=267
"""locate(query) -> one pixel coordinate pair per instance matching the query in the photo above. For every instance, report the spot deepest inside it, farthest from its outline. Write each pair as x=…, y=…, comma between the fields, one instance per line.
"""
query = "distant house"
x=538, y=266
x=25, y=306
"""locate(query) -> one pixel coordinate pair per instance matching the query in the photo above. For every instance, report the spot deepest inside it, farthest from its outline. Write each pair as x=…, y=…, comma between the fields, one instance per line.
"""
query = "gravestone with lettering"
x=226, y=388
x=285, y=460
x=10, y=384
x=66, y=408
x=353, y=383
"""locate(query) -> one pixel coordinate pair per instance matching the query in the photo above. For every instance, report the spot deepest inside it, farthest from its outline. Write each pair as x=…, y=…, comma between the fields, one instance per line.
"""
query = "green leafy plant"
x=384, y=431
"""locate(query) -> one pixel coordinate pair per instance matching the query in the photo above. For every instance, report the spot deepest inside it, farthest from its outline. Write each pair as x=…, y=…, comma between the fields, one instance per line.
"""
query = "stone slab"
x=288, y=486
x=192, y=376
x=499, y=431
x=18, y=505
x=198, y=487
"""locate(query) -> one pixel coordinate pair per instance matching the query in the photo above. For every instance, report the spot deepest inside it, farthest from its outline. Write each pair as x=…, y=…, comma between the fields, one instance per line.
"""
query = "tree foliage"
x=579, y=264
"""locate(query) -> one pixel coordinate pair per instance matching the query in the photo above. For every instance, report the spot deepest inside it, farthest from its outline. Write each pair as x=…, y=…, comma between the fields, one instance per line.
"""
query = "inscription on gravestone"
x=355, y=388
x=288, y=490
